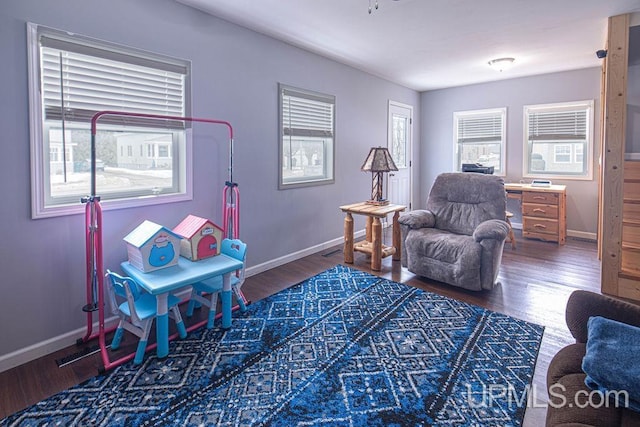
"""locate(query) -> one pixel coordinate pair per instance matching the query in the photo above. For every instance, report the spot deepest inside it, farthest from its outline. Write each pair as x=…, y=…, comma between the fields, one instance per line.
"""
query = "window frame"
x=328, y=176
x=576, y=154
x=588, y=145
x=502, y=113
x=42, y=205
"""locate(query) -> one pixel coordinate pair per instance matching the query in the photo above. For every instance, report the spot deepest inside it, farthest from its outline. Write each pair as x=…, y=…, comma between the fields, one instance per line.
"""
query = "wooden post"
x=562, y=218
x=397, y=238
x=613, y=154
x=376, y=253
x=368, y=236
x=348, y=239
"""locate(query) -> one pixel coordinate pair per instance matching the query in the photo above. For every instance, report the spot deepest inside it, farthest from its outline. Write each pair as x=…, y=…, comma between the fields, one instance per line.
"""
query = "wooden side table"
x=372, y=245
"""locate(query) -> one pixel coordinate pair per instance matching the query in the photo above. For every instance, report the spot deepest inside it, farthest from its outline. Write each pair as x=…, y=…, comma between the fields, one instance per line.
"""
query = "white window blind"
x=481, y=128
x=558, y=126
x=80, y=80
x=306, y=115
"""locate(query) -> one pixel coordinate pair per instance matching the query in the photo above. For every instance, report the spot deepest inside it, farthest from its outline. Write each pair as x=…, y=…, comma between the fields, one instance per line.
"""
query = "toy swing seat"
x=137, y=312
x=140, y=312
x=233, y=248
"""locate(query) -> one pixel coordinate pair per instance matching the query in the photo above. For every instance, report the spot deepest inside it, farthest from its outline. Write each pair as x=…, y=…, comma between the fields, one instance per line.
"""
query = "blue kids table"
x=161, y=282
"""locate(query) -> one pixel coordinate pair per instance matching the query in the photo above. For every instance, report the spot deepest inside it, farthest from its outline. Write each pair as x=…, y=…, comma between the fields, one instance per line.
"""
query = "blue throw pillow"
x=612, y=360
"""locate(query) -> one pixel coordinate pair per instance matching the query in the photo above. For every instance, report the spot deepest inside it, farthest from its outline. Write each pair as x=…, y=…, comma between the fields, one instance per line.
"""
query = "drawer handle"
x=539, y=197
x=539, y=210
x=539, y=226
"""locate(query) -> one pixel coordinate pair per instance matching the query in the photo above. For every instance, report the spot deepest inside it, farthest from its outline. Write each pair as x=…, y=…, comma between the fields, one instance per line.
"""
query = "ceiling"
x=433, y=44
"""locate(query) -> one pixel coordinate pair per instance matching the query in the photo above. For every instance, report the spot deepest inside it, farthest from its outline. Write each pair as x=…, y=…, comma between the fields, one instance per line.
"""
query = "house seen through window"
x=73, y=77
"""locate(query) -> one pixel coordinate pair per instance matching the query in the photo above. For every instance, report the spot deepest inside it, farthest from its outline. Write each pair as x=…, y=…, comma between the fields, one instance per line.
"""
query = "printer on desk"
x=477, y=167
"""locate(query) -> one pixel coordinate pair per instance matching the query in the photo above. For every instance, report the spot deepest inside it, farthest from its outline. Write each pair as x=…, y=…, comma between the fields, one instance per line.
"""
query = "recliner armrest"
x=420, y=218
x=491, y=229
x=584, y=304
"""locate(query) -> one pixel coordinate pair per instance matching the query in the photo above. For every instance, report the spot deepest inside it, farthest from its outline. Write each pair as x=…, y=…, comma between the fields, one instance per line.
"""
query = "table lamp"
x=378, y=162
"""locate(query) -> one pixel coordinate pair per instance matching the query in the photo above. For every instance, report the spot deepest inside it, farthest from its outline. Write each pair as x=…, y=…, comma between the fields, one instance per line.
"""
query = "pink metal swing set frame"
x=93, y=237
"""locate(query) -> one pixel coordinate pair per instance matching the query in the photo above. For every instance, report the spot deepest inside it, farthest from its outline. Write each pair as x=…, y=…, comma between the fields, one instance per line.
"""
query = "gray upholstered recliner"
x=459, y=238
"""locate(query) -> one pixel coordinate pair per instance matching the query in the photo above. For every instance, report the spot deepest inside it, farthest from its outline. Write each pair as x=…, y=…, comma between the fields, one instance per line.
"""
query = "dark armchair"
x=568, y=394
x=459, y=238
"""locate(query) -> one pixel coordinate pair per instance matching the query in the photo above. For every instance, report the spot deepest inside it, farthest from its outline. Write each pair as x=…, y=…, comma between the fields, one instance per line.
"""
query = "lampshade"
x=379, y=160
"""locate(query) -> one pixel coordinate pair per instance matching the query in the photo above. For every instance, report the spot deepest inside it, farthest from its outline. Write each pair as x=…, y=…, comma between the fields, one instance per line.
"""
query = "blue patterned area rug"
x=343, y=348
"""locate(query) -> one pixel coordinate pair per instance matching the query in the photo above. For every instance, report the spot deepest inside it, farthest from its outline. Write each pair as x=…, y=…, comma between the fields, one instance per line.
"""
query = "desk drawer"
x=631, y=235
x=540, y=225
x=541, y=236
x=540, y=197
x=541, y=211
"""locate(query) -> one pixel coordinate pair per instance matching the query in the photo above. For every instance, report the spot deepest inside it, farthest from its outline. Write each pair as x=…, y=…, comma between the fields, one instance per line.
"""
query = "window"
x=562, y=153
x=479, y=137
x=72, y=77
x=307, y=129
x=556, y=138
x=163, y=150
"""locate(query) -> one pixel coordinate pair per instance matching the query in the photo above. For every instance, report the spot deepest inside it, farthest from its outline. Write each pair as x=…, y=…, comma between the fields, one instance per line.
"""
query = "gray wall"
x=235, y=78
x=436, y=151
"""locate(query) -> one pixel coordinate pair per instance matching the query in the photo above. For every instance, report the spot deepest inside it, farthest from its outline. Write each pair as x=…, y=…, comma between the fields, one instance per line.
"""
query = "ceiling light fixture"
x=376, y=6
x=501, y=64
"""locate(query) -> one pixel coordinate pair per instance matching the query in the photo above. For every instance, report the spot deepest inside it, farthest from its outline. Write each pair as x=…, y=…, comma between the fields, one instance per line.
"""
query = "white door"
x=400, y=134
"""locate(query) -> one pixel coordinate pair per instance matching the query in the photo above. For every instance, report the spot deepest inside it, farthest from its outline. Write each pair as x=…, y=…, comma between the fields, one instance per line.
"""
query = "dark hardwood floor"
x=536, y=280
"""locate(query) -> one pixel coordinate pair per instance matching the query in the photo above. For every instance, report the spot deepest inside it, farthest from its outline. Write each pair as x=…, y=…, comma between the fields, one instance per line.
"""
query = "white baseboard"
x=59, y=342
x=582, y=235
x=256, y=269
x=49, y=346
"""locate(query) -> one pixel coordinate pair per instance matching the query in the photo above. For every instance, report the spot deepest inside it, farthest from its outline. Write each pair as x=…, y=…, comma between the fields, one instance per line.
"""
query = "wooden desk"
x=161, y=282
x=372, y=245
x=544, y=211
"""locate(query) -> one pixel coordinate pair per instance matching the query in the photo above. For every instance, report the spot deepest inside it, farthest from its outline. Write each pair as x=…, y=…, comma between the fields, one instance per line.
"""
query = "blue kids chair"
x=137, y=312
x=233, y=248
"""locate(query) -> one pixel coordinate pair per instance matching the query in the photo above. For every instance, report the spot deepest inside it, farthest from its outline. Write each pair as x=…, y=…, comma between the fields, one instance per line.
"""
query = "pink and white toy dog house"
x=201, y=238
x=151, y=246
